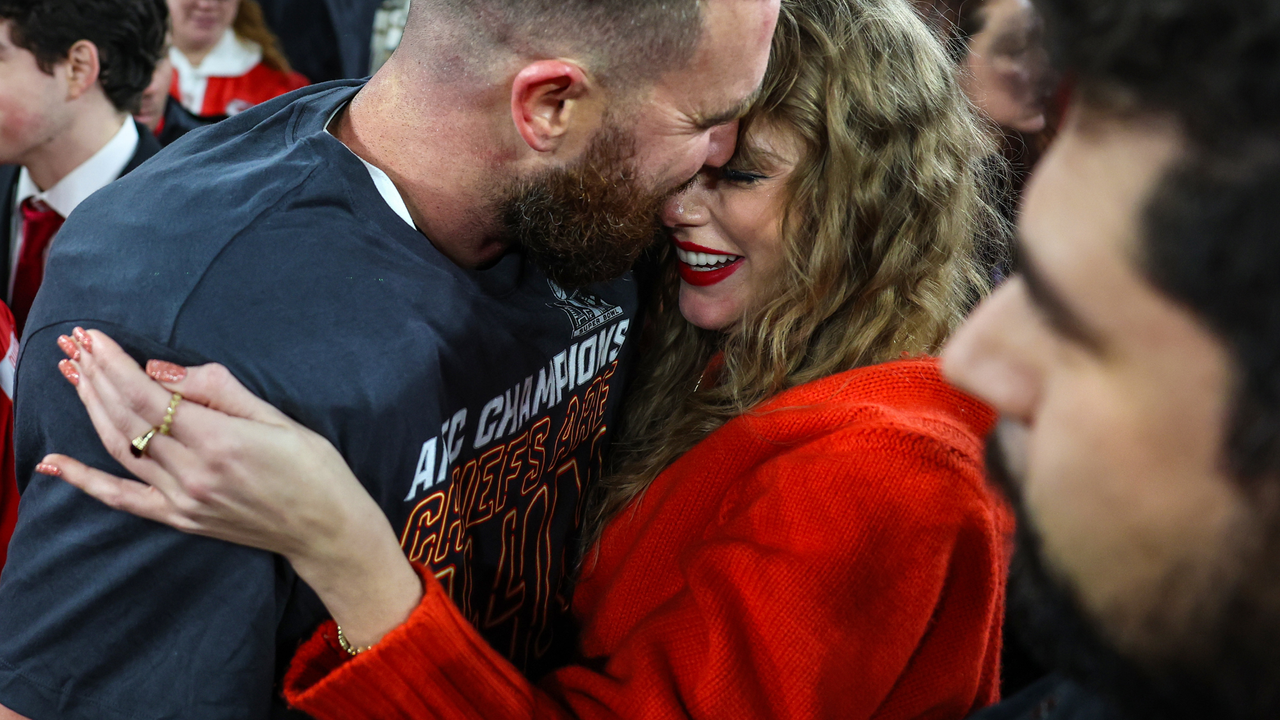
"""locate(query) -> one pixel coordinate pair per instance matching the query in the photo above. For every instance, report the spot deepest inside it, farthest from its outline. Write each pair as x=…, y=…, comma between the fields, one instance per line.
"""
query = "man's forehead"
x=732, y=54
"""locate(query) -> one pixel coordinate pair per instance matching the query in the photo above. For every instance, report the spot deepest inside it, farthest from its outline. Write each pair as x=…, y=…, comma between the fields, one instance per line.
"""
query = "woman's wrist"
x=364, y=580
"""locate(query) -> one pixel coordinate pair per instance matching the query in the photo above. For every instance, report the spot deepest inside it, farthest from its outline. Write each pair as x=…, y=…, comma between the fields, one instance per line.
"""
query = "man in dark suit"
x=74, y=71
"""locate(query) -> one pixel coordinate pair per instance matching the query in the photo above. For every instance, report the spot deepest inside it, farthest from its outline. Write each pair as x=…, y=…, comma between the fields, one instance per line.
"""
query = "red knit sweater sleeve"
x=856, y=577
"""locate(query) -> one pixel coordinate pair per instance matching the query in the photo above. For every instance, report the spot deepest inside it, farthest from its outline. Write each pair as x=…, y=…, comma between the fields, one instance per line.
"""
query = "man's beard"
x=1228, y=669
x=590, y=221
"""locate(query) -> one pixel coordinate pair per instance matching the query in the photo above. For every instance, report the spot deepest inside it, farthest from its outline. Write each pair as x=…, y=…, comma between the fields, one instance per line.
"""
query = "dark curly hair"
x=129, y=35
x=1212, y=64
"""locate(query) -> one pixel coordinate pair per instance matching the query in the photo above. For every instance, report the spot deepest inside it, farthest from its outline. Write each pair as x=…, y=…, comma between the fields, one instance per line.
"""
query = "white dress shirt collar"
x=89, y=177
x=386, y=188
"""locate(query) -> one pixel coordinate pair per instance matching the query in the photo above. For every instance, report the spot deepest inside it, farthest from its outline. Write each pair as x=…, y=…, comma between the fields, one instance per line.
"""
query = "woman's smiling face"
x=727, y=229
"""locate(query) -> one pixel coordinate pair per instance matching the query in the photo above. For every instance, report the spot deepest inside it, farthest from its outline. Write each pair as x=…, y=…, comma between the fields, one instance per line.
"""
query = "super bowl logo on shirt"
x=586, y=311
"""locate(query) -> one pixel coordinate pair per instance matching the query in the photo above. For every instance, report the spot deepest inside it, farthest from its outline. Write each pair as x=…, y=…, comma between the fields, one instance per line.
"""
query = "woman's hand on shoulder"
x=233, y=467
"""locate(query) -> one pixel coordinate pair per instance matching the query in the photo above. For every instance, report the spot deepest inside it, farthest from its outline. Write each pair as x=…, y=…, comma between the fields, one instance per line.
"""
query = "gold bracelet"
x=352, y=650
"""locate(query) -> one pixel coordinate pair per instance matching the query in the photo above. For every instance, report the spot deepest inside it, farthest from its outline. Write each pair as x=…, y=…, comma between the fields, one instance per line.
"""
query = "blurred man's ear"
x=548, y=99
x=82, y=68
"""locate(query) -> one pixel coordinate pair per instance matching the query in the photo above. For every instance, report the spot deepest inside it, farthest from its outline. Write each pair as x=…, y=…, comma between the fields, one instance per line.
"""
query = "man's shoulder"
x=235, y=159
x=150, y=238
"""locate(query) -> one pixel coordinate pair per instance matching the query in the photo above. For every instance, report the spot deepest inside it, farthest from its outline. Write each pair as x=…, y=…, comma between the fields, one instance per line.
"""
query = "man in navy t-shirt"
x=418, y=268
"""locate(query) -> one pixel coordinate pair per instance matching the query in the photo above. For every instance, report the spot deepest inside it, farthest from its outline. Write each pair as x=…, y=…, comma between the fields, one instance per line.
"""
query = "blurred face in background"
x=154, y=98
x=33, y=103
x=198, y=25
x=1008, y=76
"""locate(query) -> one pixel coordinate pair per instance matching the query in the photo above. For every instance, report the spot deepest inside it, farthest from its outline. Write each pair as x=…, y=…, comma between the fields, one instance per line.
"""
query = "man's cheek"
x=18, y=126
x=1075, y=484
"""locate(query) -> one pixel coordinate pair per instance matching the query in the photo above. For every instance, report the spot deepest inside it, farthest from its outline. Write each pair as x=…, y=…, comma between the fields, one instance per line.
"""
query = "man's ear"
x=83, y=68
x=546, y=99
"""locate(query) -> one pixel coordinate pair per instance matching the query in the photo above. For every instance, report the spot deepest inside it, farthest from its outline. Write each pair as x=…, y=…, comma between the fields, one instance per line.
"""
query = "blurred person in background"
x=325, y=39
x=159, y=111
x=1135, y=361
x=73, y=73
x=1007, y=66
x=227, y=59
x=998, y=46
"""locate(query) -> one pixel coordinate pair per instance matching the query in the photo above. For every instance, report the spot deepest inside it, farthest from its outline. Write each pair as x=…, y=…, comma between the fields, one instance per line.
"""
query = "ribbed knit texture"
x=835, y=555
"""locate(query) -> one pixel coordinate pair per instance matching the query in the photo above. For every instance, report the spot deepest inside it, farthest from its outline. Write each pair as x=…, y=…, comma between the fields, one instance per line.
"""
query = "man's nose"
x=991, y=355
x=721, y=143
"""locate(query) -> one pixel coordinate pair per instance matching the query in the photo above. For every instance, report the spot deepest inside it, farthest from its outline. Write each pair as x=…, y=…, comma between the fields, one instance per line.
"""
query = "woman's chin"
x=705, y=312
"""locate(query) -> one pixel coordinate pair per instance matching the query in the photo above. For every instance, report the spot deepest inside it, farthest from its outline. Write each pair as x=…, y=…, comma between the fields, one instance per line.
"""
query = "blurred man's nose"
x=990, y=355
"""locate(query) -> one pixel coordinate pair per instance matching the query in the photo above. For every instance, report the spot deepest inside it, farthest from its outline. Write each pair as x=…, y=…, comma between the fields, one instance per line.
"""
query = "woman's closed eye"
x=741, y=177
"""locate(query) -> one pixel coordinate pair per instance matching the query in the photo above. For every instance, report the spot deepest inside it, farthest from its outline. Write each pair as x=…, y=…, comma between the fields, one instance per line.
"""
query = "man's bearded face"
x=587, y=222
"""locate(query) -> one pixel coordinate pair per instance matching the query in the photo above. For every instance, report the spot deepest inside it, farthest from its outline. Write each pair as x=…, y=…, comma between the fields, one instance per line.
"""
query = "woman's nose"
x=688, y=208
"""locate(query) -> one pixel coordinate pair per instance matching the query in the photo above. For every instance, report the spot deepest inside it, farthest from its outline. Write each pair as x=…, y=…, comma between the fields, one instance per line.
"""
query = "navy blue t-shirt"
x=473, y=405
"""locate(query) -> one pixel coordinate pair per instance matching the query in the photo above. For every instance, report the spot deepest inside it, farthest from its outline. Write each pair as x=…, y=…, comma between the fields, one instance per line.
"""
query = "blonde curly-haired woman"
x=798, y=526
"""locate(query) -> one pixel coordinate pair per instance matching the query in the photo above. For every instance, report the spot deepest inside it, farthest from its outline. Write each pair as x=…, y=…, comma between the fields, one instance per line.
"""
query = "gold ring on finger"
x=167, y=425
x=138, y=446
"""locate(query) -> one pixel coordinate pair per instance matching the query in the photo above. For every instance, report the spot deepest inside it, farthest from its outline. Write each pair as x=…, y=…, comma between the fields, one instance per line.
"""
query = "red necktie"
x=39, y=224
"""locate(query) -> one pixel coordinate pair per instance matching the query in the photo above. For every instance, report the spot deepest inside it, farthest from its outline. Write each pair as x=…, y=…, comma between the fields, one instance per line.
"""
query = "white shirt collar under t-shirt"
x=387, y=189
x=88, y=178
x=233, y=56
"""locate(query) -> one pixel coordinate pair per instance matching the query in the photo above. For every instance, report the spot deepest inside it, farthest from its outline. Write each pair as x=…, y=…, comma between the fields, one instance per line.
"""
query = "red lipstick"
x=703, y=278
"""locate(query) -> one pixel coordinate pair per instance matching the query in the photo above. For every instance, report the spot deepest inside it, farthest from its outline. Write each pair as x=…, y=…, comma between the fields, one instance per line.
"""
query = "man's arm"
x=104, y=615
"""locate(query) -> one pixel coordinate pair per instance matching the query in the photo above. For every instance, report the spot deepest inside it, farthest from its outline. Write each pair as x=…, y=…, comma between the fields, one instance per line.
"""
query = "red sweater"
x=835, y=554
x=232, y=95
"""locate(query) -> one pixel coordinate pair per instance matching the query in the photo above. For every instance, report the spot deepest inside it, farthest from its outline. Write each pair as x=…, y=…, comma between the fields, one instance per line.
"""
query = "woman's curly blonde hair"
x=885, y=206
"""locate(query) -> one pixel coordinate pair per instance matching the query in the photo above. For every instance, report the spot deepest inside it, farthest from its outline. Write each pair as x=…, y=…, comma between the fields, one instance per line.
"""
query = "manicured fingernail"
x=50, y=470
x=68, y=347
x=83, y=338
x=70, y=372
x=166, y=371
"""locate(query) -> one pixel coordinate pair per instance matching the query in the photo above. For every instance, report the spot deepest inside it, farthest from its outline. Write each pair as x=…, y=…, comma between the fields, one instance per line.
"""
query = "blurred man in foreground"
x=1135, y=358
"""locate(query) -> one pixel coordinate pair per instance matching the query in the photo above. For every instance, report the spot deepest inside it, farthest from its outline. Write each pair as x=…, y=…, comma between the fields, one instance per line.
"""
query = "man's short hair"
x=1211, y=231
x=624, y=40
x=129, y=35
